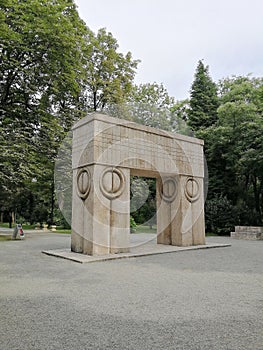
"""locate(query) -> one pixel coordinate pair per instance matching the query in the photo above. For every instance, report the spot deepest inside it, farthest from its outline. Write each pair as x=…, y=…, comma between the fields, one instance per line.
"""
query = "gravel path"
x=204, y=299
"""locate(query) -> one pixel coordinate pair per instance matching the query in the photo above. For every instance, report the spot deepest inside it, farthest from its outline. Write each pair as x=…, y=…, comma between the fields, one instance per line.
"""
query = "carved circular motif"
x=83, y=183
x=169, y=189
x=112, y=183
x=192, y=191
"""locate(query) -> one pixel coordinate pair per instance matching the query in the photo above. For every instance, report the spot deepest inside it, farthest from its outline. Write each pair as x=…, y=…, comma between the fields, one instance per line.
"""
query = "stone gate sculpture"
x=106, y=152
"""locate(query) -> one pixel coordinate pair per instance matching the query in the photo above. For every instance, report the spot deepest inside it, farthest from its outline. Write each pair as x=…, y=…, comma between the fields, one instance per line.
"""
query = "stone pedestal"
x=248, y=232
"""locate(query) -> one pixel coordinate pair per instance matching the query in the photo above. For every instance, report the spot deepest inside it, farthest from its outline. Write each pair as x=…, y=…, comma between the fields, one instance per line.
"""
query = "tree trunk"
x=94, y=101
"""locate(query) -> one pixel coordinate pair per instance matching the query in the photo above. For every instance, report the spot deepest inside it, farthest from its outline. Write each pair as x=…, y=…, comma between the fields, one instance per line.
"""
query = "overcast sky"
x=170, y=36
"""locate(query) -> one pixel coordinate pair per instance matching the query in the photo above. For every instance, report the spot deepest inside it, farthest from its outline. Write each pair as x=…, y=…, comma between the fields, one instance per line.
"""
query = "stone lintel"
x=132, y=125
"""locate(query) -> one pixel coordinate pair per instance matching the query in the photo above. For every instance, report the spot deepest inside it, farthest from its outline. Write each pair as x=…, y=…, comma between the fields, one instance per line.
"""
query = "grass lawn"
x=32, y=227
x=208, y=234
x=145, y=229
x=25, y=227
x=5, y=238
x=63, y=230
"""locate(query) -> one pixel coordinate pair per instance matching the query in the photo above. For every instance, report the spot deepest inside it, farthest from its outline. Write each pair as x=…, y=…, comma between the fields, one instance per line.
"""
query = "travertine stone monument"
x=248, y=232
x=106, y=152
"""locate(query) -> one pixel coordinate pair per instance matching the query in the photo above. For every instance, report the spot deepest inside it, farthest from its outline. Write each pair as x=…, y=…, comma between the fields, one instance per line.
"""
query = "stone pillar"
x=115, y=187
x=168, y=211
x=80, y=192
x=180, y=213
x=192, y=206
x=101, y=209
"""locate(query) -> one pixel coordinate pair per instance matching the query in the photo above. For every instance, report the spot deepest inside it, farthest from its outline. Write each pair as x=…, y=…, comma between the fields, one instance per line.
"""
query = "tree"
x=221, y=215
x=53, y=70
x=234, y=148
x=41, y=72
x=179, y=118
x=242, y=110
x=148, y=104
x=151, y=104
x=109, y=74
x=203, y=99
x=143, y=201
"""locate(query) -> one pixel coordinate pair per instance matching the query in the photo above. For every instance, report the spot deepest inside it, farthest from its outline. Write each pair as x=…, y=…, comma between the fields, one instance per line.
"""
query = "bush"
x=133, y=224
x=220, y=215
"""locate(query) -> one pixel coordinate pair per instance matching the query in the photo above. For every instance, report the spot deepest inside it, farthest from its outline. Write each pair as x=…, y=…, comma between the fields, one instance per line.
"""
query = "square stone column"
x=180, y=213
x=101, y=210
x=168, y=210
x=192, y=207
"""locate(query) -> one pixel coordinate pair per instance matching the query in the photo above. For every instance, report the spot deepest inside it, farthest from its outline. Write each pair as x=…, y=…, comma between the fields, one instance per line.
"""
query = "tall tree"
x=41, y=72
x=241, y=112
x=150, y=104
x=109, y=74
x=234, y=148
x=179, y=117
x=53, y=70
x=203, y=99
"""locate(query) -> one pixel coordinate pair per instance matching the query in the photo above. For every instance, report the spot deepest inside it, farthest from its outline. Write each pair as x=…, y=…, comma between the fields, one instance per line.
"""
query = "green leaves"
x=234, y=148
x=203, y=100
x=53, y=70
x=41, y=72
x=150, y=104
x=233, y=142
x=109, y=74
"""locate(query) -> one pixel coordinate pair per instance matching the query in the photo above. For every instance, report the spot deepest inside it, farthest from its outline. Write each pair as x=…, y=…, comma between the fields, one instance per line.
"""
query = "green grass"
x=5, y=238
x=59, y=229
x=28, y=227
x=63, y=230
x=5, y=225
x=208, y=234
x=145, y=229
x=25, y=227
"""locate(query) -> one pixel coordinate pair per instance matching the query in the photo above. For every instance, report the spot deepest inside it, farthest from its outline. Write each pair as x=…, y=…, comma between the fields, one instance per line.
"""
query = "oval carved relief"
x=169, y=189
x=192, y=190
x=83, y=183
x=112, y=183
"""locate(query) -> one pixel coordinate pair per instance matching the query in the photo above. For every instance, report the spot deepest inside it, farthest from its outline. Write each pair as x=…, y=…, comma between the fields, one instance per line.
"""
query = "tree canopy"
x=53, y=70
x=40, y=58
x=203, y=99
x=233, y=148
x=109, y=74
x=150, y=104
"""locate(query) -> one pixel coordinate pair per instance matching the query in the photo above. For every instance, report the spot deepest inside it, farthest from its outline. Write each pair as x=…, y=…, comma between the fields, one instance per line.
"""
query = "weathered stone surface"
x=248, y=232
x=106, y=151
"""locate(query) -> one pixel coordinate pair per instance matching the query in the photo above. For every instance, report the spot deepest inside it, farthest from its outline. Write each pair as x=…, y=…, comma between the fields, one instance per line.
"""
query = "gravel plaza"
x=199, y=299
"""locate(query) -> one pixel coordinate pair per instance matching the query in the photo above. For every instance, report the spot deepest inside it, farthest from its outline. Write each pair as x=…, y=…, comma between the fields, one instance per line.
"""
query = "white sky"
x=170, y=36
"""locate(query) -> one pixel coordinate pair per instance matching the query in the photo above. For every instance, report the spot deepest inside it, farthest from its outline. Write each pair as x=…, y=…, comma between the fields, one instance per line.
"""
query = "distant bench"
x=248, y=232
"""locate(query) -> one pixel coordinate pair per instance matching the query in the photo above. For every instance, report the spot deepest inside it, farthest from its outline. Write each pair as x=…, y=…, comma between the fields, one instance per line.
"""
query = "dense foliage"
x=203, y=99
x=229, y=117
x=54, y=70
x=143, y=200
x=109, y=74
x=234, y=149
